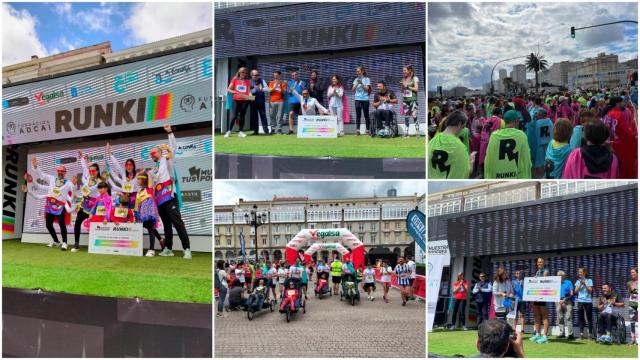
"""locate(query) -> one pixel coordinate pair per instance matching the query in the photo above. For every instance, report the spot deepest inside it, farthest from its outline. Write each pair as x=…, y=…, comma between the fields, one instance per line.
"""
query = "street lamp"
x=494, y=67
x=254, y=219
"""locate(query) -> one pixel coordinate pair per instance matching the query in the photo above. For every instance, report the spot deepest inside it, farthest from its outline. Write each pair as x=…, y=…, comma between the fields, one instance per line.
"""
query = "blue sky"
x=466, y=39
x=51, y=28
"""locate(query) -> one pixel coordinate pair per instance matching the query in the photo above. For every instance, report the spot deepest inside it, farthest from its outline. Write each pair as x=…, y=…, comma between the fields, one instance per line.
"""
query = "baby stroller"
x=323, y=282
x=268, y=303
x=350, y=289
x=300, y=302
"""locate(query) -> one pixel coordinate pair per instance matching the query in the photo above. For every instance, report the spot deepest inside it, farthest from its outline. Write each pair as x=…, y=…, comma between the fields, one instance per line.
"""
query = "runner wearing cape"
x=508, y=155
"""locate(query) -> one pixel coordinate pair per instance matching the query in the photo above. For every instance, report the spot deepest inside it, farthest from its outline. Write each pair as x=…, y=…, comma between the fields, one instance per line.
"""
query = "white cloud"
x=99, y=18
x=467, y=39
x=19, y=37
x=150, y=22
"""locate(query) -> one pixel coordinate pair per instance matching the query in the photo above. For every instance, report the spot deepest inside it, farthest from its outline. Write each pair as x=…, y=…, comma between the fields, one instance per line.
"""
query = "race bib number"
x=121, y=213
x=291, y=293
x=241, y=88
x=407, y=93
x=128, y=187
x=55, y=192
x=101, y=210
x=85, y=190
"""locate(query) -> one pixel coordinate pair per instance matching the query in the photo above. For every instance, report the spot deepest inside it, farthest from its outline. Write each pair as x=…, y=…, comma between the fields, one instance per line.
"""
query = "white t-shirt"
x=222, y=276
x=282, y=275
x=369, y=275
x=385, y=274
x=273, y=274
x=240, y=274
x=296, y=272
x=412, y=266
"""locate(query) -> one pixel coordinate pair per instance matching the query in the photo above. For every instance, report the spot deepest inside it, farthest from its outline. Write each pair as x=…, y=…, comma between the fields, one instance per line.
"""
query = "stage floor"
x=348, y=146
x=450, y=343
x=35, y=266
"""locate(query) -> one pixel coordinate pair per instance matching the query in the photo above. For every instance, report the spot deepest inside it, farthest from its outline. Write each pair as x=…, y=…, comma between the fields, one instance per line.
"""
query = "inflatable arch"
x=326, y=239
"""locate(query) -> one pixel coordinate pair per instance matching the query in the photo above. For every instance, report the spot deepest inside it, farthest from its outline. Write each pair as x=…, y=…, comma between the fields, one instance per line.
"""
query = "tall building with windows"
x=379, y=222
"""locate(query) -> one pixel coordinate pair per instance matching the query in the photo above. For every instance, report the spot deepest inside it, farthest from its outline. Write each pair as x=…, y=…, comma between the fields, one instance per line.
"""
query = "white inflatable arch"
x=340, y=240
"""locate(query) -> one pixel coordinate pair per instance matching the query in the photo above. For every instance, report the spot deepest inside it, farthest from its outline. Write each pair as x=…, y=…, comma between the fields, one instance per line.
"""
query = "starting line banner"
x=112, y=239
x=546, y=288
x=317, y=126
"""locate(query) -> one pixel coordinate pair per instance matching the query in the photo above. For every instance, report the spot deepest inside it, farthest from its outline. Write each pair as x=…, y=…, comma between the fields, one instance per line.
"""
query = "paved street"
x=330, y=328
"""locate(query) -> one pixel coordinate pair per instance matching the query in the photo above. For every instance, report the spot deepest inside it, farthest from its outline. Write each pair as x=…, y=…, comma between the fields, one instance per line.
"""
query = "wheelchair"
x=618, y=330
x=377, y=128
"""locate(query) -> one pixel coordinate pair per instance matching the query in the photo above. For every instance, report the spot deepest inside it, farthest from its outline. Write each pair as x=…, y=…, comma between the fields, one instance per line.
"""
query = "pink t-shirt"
x=576, y=169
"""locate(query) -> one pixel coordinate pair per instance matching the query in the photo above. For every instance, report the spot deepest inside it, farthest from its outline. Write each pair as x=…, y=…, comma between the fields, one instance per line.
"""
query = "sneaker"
x=290, y=132
x=534, y=338
x=227, y=134
x=404, y=303
x=166, y=252
x=221, y=315
x=386, y=301
x=372, y=298
x=583, y=336
x=608, y=339
x=53, y=244
x=464, y=328
x=601, y=338
x=241, y=134
x=150, y=253
x=542, y=339
x=64, y=246
x=75, y=249
x=187, y=254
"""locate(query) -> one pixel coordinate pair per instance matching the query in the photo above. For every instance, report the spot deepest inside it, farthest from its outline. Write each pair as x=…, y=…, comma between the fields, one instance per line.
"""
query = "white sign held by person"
x=317, y=126
x=435, y=263
x=112, y=239
x=544, y=288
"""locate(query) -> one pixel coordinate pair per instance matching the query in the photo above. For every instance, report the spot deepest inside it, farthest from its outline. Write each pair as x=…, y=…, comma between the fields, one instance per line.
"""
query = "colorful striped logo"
x=116, y=243
x=318, y=130
x=159, y=107
x=541, y=292
x=8, y=225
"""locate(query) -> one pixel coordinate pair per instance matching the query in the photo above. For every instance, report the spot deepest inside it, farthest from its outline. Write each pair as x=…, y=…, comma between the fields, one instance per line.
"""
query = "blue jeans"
x=222, y=292
x=256, y=302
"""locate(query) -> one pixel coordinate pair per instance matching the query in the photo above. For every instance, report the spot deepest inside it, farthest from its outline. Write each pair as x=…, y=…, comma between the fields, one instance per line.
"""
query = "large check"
x=545, y=288
x=317, y=126
x=121, y=239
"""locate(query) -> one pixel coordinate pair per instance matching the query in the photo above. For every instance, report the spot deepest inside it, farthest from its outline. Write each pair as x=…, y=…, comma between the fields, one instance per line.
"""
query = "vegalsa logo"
x=197, y=175
x=324, y=233
x=151, y=108
x=186, y=149
x=43, y=98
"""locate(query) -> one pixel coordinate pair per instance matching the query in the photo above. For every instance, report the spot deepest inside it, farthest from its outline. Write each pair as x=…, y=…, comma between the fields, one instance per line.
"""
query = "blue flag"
x=242, y=247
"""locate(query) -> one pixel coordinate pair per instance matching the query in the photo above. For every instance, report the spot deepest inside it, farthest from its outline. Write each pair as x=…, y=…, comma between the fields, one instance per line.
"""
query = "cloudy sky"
x=50, y=28
x=228, y=192
x=465, y=40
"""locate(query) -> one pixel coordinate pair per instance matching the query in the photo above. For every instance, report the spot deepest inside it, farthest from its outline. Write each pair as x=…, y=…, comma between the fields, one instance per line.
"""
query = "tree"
x=536, y=63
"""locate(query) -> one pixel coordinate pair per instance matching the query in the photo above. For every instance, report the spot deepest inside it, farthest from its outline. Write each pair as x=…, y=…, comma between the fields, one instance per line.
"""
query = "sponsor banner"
x=317, y=26
x=435, y=264
x=173, y=89
x=318, y=126
x=545, y=288
x=115, y=239
x=440, y=247
x=13, y=166
x=416, y=225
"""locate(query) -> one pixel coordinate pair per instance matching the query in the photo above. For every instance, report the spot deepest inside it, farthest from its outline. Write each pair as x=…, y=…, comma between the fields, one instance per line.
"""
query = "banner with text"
x=112, y=239
x=317, y=126
x=545, y=288
x=435, y=263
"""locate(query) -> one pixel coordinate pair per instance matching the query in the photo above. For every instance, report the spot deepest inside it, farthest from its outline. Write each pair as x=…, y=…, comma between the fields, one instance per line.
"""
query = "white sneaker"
x=52, y=244
x=241, y=134
x=64, y=246
x=187, y=254
x=74, y=250
x=150, y=253
x=372, y=297
x=227, y=134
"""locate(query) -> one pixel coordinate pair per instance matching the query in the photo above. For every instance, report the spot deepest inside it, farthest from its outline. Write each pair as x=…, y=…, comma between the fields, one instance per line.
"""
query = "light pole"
x=254, y=219
x=501, y=61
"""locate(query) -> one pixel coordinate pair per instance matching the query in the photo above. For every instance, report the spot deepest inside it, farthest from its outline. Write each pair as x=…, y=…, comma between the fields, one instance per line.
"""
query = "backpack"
x=217, y=281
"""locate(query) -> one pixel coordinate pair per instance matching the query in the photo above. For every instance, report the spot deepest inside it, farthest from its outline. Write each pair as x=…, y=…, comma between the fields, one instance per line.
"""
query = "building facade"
x=379, y=222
